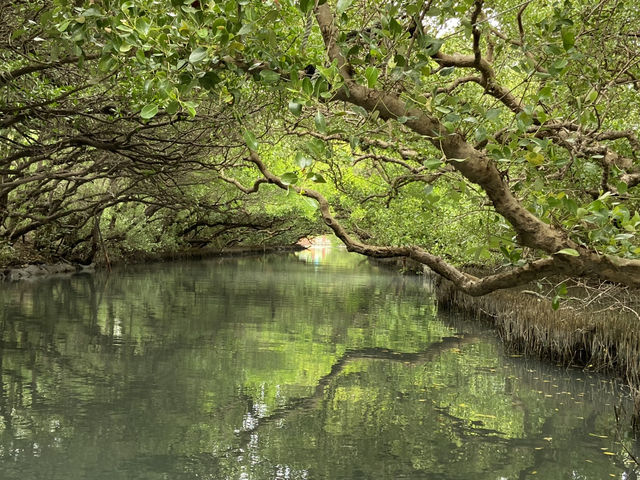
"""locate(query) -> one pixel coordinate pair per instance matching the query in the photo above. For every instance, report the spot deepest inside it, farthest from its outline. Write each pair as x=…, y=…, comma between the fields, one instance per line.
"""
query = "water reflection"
x=281, y=367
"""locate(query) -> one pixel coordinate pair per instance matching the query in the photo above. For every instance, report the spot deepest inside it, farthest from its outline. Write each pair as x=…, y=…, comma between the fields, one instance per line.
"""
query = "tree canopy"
x=447, y=131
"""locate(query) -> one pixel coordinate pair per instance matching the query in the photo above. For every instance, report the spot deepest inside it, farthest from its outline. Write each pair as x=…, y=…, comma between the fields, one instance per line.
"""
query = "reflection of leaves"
x=432, y=352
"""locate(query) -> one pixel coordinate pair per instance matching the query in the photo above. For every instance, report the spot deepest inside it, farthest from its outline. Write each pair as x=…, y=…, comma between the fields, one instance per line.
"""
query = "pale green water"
x=281, y=367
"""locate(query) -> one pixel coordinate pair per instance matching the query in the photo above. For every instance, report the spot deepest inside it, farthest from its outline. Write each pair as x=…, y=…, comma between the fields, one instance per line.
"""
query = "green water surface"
x=308, y=366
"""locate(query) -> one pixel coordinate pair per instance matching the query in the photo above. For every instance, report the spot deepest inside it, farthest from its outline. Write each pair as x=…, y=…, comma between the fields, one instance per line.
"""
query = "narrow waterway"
x=309, y=366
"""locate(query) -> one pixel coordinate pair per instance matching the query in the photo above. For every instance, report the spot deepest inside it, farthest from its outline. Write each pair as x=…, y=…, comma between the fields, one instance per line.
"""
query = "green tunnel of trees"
x=495, y=132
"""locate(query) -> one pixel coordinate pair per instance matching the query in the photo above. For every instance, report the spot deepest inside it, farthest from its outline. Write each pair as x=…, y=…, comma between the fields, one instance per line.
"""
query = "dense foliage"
x=446, y=131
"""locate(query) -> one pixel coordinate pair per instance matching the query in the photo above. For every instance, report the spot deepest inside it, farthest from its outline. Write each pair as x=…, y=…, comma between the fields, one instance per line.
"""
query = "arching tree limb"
x=471, y=163
x=476, y=167
x=465, y=282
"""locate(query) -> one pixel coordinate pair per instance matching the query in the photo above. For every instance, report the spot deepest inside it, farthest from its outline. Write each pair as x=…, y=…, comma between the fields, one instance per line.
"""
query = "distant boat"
x=321, y=241
x=304, y=242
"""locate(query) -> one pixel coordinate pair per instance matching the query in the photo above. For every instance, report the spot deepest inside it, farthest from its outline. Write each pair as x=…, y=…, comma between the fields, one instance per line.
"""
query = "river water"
x=309, y=366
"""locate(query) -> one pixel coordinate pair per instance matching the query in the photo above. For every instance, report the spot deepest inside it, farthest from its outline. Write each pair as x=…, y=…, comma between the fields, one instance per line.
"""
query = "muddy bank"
x=597, y=327
x=206, y=252
x=32, y=271
x=598, y=332
x=401, y=264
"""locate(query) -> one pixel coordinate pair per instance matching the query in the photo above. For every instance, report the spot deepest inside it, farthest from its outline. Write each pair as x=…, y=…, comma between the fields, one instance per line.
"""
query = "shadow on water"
x=282, y=367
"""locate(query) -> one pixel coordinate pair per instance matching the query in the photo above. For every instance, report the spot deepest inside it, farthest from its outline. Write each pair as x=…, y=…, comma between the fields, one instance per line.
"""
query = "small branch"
x=253, y=189
x=476, y=31
x=631, y=137
x=6, y=77
x=519, y=20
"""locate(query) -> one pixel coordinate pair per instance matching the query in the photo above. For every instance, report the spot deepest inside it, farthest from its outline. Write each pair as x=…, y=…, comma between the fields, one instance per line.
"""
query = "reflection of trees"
x=73, y=335
x=170, y=360
x=478, y=447
x=350, y=356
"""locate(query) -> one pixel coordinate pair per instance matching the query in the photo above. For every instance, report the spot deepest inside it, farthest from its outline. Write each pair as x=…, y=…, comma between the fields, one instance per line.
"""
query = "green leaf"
x=92, y=12
x=295, y=108
x=432, y=46
x=209, y=80
x=198, y=55
x=568, y=251
x=492, y=114
x=143, y=26
x=394, y=27
x=562, y=290
x=446, y=71
x=106, y=64
x=289, y=178
x=149, y=111
x=317, y=178
x=172, y=107
x=359, y=110
x=432, y=163
x=592, y=95
x=303, y=161
x=480, y=134
x=555, y=303
x=559, y=65
x=568, y=38
x=250, y=140
x=246, y=28
x=321, y=124
x=535, y=159
x=305, y=6
x=342, y=6
x=64, y=25
x=307, y=86
x=191, y=108
x=371, y=74
x=315, y=147
x=269, y=76
x=312, y=202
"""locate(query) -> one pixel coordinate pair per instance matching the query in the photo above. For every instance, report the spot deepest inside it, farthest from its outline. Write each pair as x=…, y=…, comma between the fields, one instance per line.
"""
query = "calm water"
x=317, y=366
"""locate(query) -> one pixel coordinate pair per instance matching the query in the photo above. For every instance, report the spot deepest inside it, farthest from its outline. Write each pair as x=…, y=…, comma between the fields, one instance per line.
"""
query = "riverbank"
x=594, y=327
x=39, y=270
x=595, y=330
